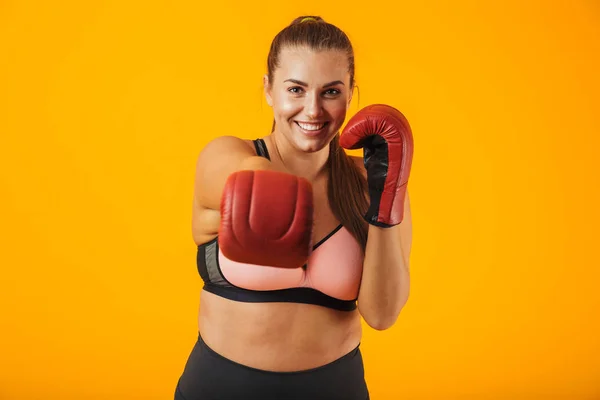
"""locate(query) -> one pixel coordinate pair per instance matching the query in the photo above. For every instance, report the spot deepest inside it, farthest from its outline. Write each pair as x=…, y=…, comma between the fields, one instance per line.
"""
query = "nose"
x=313, y=107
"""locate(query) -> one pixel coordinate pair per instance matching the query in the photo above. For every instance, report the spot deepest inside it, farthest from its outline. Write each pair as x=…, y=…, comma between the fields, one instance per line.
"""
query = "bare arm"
x=386, y=280
x=218, y=159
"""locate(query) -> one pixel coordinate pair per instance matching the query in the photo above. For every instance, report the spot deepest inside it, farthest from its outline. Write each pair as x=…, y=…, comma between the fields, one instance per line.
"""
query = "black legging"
x=208, y=375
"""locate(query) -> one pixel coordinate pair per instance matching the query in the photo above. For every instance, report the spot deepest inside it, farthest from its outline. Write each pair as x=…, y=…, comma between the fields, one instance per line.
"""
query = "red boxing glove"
x=266, y=218
x=386, y=137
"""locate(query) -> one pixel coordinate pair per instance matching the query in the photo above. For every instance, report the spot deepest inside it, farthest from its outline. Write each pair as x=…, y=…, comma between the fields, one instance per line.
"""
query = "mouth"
x=312, y=128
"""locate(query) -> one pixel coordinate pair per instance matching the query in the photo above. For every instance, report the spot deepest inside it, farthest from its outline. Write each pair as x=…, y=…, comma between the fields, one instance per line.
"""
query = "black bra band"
x=292, y=295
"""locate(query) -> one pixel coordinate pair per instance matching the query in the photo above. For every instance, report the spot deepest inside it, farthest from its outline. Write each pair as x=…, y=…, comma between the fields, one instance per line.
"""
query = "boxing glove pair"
x=267, y=216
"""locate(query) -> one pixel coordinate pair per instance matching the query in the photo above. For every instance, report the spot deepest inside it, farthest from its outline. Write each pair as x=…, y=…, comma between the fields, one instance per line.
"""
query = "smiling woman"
x=312, y=127
x=281, y=224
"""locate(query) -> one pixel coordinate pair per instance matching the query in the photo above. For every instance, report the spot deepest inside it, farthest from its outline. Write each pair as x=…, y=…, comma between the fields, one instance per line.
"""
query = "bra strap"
x=261, y=148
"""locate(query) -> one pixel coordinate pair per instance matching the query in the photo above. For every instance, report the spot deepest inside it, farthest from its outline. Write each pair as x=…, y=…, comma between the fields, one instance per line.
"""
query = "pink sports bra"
x=330, y=278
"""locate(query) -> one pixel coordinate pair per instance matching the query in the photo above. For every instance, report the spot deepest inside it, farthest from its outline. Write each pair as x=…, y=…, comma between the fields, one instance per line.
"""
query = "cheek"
x=284, y=105
x=338, y=110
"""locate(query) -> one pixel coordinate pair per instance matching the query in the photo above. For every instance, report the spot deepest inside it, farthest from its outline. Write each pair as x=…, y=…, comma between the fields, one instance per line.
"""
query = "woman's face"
x=310, y=94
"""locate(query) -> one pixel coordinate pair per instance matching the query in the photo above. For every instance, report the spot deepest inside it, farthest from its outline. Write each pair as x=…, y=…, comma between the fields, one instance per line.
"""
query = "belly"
x=277, y=336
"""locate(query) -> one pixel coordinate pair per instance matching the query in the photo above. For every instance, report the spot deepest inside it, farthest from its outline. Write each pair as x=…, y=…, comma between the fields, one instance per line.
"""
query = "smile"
x=310, y=126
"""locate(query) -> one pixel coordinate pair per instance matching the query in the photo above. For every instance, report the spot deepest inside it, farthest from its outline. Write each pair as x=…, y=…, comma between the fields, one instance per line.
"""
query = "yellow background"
x=105, y=105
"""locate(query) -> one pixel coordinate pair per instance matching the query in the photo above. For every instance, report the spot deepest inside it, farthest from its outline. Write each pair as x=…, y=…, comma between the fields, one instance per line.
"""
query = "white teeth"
x=310, y=127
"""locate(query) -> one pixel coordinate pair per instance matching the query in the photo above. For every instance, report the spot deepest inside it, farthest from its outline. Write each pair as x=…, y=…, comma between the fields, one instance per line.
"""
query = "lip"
x=312, y=133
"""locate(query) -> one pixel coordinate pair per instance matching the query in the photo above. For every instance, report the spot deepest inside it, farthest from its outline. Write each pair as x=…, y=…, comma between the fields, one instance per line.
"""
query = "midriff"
x=280, y=337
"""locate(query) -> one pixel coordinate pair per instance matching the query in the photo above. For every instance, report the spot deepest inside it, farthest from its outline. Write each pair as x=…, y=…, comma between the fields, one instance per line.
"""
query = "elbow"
x=382, y=322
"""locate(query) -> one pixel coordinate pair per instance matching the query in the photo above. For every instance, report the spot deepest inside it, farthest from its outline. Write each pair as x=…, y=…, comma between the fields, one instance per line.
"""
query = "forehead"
x=311, y=66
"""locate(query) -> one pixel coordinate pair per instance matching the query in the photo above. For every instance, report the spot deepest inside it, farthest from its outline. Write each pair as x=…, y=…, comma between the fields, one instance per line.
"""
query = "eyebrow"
x=297, y=82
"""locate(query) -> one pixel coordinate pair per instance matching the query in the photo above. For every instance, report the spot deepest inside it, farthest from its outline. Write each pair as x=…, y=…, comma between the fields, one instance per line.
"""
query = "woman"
x=293, y=245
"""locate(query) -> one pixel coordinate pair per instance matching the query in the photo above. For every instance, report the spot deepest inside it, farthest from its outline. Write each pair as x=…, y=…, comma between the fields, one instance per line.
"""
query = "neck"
x=300, y=163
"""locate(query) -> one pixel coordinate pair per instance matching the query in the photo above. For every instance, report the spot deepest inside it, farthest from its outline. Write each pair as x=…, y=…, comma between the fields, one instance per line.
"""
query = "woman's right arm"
x=276, y=230
x=218, y=159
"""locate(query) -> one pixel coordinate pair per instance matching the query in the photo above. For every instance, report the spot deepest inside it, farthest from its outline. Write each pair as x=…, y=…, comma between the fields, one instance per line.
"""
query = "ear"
x=350, y=96
x=267, y=90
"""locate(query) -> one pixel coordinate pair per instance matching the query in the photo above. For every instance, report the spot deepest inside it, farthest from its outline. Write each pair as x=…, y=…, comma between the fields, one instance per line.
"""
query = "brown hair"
x=347, y=186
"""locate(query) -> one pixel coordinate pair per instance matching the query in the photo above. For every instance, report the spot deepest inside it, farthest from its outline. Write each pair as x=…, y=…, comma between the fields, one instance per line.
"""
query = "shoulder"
x=224, y=150
x=223, y=144
x=219, y=158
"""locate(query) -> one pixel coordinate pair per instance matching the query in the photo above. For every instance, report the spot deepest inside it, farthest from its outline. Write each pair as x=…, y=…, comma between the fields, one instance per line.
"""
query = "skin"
x=289, y=336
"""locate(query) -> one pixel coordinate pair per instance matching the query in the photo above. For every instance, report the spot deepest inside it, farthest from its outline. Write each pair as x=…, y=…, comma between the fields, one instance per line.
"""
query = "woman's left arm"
x=386, y=281
x=386, y=138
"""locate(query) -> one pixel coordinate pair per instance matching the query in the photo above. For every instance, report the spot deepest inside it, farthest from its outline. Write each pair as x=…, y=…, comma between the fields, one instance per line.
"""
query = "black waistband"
x=351, y=354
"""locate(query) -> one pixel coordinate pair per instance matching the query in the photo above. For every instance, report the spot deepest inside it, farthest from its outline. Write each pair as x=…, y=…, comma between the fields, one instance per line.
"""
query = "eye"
x=332, y=92
x=295, y=89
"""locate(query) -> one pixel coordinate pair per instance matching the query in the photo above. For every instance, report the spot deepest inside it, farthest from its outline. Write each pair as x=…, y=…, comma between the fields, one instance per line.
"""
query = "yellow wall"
x=104, y=107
